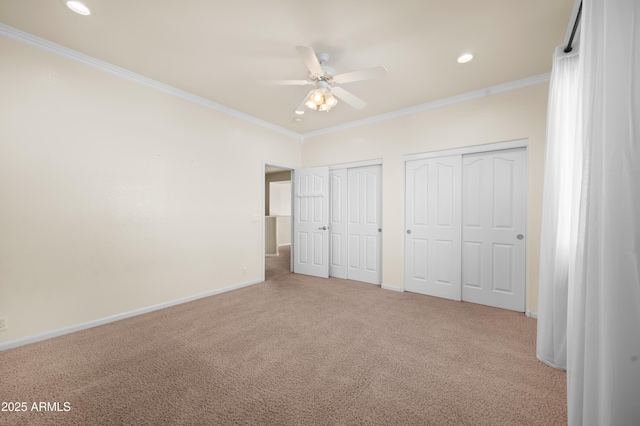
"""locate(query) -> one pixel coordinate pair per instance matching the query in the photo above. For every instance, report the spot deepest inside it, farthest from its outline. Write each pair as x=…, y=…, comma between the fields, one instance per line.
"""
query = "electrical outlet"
x=4, y=323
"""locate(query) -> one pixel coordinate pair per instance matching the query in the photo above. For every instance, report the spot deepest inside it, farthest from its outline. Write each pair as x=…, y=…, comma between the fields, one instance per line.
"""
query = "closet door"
x=364, y=224
x=338, y=223
x=433, y=226
x=494, y=207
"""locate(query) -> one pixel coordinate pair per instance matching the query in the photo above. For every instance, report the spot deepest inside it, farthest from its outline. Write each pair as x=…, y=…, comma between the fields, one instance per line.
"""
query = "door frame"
x=476, y=149
x=263, y=225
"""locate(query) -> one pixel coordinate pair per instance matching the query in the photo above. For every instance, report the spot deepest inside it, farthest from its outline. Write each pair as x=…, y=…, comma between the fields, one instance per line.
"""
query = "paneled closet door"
x=338, y=223
x=433, y=226
x=355, y=223
x=493, y=214
x=364, y=224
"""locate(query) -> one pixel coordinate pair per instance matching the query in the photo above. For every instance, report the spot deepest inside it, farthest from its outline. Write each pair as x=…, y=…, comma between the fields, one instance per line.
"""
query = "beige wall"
x=508, y=116
x=111, y=192
x=116, y=197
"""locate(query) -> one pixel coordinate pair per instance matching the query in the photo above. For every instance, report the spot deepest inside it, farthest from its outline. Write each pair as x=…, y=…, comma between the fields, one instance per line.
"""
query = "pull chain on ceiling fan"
x=323, y=77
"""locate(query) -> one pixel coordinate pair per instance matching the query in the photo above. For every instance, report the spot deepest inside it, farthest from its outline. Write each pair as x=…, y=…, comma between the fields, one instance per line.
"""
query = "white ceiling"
x=218, y=49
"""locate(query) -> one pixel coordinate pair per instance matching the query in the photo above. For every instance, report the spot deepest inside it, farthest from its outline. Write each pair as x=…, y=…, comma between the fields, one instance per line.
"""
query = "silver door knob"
x=324, y=228
x=520, y=236
x=379, y=229
x=408, y=231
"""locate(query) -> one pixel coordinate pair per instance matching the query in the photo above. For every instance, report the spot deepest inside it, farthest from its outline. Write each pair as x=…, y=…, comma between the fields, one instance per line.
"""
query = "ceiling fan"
x=323, y=77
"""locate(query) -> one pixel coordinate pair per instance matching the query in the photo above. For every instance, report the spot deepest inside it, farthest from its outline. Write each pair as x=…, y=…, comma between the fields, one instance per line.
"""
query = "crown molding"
x=476, y=94
x=48, y=46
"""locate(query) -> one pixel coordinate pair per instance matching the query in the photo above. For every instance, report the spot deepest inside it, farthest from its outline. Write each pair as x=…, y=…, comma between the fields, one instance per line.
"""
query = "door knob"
x=379, y=229
x=520, y=236
x=324, y=228
x=408, y=231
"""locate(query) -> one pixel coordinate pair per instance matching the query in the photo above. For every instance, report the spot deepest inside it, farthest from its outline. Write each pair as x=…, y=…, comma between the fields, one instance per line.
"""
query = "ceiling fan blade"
x=310, y=59
x=349, y=98
x=284, y=82
x=368, y=74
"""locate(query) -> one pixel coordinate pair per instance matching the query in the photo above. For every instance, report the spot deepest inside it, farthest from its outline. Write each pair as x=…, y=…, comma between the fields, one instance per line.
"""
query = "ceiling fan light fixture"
x=464, y=58
x=311, y=105
x=324, y=107
x=330, y=100
x=317, y=97
x=78, y=7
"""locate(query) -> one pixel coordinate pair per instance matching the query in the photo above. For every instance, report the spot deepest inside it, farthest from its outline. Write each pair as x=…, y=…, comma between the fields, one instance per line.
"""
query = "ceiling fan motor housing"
x=328, y=71
x=322, y=58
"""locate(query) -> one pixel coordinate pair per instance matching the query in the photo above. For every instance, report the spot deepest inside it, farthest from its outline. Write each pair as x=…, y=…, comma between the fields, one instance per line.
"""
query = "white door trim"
x=499, y=146
x=366, y=163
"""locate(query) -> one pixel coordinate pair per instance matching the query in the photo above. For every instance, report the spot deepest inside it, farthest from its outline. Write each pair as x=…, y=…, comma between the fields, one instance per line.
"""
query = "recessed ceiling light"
x=299, y=111
x=78, y=7
x=465, y=58
x=297, y=119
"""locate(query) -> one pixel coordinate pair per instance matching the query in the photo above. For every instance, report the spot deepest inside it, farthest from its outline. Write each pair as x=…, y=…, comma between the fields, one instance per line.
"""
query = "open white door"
x=433, y=227
x=311, y=222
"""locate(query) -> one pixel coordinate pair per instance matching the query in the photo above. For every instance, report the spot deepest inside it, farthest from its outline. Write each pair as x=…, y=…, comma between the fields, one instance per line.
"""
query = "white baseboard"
x=531, y=314
x=392, y=288
x=66, y=330
x=283, y=245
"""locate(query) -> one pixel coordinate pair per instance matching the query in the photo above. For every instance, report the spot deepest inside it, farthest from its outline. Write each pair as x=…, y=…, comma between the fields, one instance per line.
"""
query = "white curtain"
x=603, y=329
x=560, y=207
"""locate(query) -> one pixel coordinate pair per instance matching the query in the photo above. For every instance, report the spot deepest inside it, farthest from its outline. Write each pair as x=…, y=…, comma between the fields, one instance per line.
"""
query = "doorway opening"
x=277, y=221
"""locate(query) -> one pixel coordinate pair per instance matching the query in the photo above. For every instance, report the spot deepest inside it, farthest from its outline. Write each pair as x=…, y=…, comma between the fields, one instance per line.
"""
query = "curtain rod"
x=573, y=32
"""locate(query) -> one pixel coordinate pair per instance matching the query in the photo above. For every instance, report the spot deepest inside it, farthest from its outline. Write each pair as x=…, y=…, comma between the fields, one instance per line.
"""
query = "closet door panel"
x=494, y=224
x=364, y=224
x=433, y=247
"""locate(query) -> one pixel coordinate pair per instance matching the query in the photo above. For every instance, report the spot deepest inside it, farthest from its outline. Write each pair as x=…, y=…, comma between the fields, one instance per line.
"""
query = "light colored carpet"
x=274, y=266
x=294, y=350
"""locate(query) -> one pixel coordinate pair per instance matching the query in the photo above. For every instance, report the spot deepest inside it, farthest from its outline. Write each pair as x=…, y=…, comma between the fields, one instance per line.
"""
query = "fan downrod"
x=323, y=58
